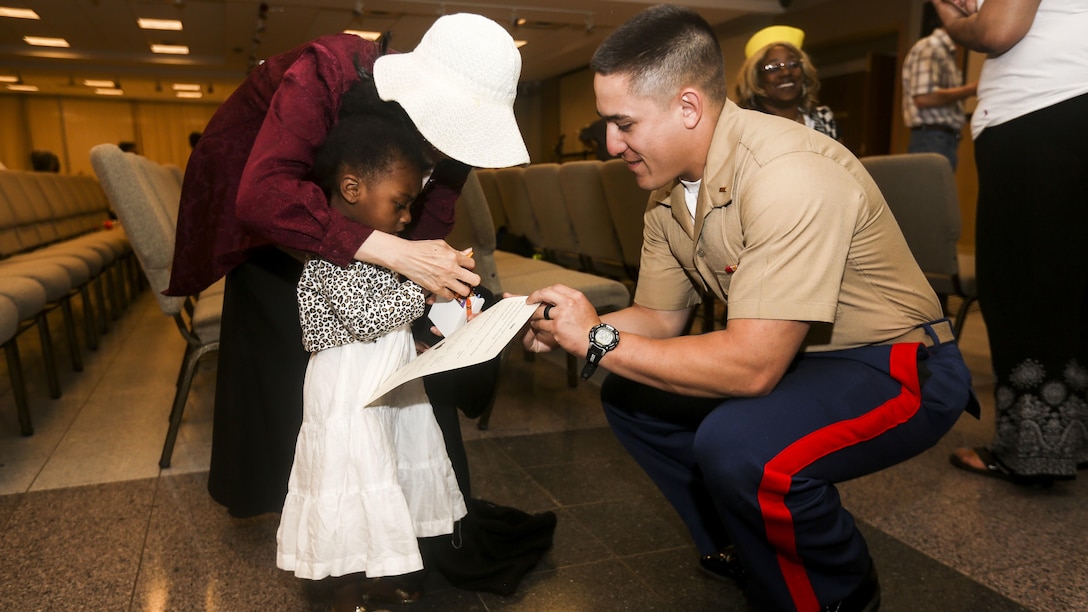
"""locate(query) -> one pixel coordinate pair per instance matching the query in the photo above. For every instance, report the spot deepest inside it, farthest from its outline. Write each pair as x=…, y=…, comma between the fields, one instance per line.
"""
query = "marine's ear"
x=691, y=107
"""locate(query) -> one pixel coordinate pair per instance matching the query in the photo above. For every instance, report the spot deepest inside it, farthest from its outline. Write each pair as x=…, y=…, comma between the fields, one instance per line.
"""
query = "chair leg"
x=183, y=371
x=961, y=316
x=89, y=323
x=111, y=289
x=70, y=331
x=48, y=356
x=178, y=409
x=117, y=280
x=18, y=387
x=102, y=307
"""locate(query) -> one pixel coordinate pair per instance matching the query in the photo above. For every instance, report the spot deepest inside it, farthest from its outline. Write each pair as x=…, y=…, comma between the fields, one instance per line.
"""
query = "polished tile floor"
x=88, y=521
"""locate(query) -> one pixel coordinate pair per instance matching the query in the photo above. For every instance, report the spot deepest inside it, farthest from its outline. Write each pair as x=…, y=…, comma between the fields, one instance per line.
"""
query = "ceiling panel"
x=226, y=37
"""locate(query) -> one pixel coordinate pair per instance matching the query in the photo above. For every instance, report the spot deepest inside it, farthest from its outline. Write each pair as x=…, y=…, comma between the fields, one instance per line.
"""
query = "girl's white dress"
x=366, y=482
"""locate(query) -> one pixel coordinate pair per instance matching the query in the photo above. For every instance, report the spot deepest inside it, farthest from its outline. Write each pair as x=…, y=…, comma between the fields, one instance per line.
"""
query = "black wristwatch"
x=602, y=338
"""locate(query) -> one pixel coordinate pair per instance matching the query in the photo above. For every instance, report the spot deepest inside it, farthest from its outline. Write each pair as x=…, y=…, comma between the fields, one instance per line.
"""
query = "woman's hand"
x=433, y=264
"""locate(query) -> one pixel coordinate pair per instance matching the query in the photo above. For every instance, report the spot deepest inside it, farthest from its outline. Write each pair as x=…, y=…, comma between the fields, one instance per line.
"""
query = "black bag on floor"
x=492, y=548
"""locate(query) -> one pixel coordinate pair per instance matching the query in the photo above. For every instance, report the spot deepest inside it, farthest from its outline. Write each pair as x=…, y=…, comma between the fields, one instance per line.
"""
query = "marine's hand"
x=569, y=318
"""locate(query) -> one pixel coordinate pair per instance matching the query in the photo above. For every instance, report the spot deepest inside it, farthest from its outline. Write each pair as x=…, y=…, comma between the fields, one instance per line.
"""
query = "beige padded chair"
x=520, y=220
x=22, y=306
x=627, y=205
x=546, y=200
x=84, y=262
x=486, y=176
x=135, y=186
x=921, y=191
x=92, y=212
x=584, y=195
x=41, y=256
x=10, y=322
x=522, y=275
x=473, y=229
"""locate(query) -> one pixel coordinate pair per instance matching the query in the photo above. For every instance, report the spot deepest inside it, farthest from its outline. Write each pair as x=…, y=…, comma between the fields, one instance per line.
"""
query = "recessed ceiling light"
x=6, y=78
x=189, y=94
x=186, y=87
x=100, y=83
x=159, y=24
x=14, y=87
x=170, y=49
x=44, y=41
x=104, y=91
x=364, y=34
x=18, y=13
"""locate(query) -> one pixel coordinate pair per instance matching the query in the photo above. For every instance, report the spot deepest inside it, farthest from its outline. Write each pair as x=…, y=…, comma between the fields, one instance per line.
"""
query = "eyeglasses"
x=774, y=67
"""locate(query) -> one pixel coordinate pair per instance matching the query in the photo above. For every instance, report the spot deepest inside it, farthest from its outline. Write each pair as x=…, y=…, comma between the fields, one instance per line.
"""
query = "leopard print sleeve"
x=358, y=303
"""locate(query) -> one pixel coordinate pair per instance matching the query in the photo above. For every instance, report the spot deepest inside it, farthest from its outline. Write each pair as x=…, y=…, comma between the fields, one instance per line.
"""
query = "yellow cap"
x=773, y=34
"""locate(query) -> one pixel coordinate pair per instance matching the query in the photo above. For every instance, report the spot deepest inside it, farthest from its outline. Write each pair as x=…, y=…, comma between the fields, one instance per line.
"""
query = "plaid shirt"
x=930, y=65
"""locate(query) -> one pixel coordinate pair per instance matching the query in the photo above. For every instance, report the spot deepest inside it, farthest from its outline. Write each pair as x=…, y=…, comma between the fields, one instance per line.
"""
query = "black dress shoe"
x=724, y=565
x=865, y=598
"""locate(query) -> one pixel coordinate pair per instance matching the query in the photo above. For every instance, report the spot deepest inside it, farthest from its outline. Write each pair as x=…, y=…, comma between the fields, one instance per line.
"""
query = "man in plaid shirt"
x=933, y=92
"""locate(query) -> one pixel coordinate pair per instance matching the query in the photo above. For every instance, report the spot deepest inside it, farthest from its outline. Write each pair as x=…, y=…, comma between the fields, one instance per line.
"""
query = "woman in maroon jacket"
x=248, y=201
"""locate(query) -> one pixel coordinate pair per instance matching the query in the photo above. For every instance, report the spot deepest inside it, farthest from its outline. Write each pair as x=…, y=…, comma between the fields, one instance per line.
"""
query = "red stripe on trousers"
x=779, y=471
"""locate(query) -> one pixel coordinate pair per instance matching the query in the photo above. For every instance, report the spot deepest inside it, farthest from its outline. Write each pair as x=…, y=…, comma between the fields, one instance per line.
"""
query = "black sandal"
x=995, y=468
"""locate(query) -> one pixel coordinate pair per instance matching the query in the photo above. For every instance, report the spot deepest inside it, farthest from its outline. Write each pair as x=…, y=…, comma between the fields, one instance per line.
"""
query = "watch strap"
x=593, y=359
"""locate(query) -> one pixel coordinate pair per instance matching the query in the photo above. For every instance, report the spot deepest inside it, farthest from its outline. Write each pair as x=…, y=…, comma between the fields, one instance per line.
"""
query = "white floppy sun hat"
x=458, y=87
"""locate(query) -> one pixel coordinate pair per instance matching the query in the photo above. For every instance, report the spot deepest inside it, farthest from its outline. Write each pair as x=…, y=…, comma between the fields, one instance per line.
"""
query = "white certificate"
x=480, y=339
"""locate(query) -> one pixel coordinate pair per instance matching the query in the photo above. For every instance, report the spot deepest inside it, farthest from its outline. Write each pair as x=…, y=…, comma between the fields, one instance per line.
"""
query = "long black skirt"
x=1032, y=266
x=258, y=394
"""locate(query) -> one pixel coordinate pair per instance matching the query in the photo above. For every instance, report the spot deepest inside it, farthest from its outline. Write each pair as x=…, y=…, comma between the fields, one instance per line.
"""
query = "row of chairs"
x=585, y=215
x=588, y=215
x=56, y=243
x=146, y=196
x=503, y=271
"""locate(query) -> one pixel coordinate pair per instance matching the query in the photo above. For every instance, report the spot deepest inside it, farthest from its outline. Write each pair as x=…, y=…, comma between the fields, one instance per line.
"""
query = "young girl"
x=366, y=481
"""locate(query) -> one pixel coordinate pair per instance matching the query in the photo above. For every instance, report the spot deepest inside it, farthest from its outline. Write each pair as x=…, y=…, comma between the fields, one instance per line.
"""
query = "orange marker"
x=468, y=298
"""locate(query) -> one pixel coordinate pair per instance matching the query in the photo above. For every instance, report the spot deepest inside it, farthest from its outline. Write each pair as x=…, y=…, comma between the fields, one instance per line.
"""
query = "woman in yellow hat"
x=778, y=78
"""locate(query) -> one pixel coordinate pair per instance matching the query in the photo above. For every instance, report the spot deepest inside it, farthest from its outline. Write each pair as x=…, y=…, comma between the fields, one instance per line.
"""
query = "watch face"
x=604, y=336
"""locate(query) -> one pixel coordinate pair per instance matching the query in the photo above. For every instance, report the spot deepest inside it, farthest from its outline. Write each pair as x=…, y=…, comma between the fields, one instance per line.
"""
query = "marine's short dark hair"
x=663, y=49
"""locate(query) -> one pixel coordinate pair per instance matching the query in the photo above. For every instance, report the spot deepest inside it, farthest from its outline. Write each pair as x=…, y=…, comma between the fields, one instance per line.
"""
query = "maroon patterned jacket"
x=247, y=182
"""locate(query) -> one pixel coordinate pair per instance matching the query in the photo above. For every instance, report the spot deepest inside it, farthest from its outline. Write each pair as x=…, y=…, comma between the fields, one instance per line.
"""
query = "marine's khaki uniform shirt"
x=788, y=226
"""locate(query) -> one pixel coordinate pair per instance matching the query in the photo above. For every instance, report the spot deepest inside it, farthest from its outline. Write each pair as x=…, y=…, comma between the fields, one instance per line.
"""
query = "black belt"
x=940, y=128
